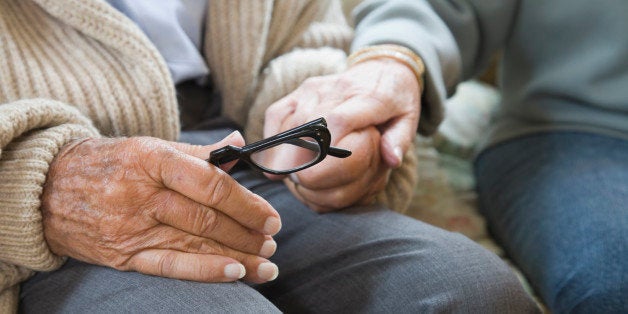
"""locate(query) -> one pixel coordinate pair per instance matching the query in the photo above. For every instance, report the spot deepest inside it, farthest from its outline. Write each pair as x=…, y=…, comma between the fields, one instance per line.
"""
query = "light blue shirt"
x=175, y=27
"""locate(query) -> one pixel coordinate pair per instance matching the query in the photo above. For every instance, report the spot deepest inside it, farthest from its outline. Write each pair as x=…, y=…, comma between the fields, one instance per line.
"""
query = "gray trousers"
x=363, y=259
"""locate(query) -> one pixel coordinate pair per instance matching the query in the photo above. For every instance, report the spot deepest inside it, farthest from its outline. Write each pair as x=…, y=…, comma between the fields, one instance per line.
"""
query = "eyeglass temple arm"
x=224, y=155
x=333, y=151
x=338, y=152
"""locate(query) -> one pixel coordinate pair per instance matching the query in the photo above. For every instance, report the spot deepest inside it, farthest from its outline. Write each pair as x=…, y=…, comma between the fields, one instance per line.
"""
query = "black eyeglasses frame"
x=316, y=129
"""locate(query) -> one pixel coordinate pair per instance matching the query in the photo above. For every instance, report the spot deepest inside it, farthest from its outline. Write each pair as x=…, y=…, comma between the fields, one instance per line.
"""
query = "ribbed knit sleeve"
x=31, y=134
x=68, y=69
x=88, y=55
x=235, y=37
x=241, y=39
x=306, y=39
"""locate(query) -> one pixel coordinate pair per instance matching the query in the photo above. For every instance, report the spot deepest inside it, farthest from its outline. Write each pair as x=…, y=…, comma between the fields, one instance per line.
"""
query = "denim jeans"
x=558, y=203
x=362, y=259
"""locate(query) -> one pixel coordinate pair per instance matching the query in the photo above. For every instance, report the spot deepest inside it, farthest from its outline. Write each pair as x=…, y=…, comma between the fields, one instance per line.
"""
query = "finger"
x=340, y=197
x=303, y=105
x=165, y=237
x=187, y=266
x=275, y=120
x=361, y=112
x=276, y=115
x=280, y=117
x=397, y=136
x=357, y=113
x=203, y=151
x=202, y=267
x=172, y=253
x=274, y=177
x=333, y=172
x=258, y=269
x=345, y=195
x=191, y=217
x=206, y=184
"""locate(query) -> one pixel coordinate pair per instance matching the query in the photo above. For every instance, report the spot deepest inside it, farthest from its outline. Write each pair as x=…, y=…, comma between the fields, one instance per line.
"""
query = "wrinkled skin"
x=371, y=109
x=156, y=207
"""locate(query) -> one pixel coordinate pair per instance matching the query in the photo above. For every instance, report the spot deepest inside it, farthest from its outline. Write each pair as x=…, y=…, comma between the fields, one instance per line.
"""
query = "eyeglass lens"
x=288, y=155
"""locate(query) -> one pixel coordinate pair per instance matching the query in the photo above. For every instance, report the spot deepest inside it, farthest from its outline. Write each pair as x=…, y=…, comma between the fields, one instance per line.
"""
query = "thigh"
x=558, y=204
x=371, y=259
x=82, y=288
x=79, y=287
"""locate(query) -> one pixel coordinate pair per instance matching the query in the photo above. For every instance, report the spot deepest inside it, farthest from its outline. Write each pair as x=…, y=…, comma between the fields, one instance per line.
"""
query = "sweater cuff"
x=32, y=133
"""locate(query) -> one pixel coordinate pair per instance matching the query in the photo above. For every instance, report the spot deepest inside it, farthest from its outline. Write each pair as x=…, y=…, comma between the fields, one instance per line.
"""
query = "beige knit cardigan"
x=78, y=68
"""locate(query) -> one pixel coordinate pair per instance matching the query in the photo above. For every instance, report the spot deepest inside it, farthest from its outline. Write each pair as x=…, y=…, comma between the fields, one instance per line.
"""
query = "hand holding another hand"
x=156, y=207
x=337, y=183
x=371, y=109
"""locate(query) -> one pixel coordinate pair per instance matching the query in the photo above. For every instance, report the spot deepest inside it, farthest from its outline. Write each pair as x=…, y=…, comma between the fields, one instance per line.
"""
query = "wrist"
x=398, y=53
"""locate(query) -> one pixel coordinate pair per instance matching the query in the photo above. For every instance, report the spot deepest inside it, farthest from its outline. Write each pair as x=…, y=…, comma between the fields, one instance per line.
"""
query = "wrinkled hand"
x=371, y=109
x=156, y=207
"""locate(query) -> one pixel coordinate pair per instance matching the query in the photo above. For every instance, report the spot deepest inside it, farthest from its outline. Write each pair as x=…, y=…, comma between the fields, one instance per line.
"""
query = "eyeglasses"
x=286, y=152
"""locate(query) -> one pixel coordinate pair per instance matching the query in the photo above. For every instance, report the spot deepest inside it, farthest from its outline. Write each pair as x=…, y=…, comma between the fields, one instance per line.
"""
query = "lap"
x=82, y=288
x=557, y=202
x=371, y=259
x=364, y=259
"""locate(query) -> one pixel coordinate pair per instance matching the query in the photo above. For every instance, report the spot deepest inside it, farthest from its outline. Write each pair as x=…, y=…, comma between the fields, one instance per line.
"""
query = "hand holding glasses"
x=286, y=152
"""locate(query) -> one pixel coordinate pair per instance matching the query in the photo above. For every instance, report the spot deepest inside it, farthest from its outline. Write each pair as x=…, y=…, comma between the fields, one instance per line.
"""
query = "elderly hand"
x=156, y=207
x=371, y=109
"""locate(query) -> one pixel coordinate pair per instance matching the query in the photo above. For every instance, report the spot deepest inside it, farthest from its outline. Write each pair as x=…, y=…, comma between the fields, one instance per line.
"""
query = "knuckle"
x=338, y=119
x=142, y=144
x=115, y=243
x=166, y=264
x=114, y=247
x=120, y=263
x=257, y=202
x=344, y=82
x=338, y=199
x=198, y=246
x=219, y=249
x=219, y=189
x=144, y=153
x=109, y=235
x=207, y=222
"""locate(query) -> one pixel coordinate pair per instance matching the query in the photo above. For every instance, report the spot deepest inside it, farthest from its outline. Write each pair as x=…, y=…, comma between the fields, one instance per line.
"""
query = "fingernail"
x=398, y=153
x=272, y=225
x=233, y=134
x=267, y=271
x=268, y=248
x=235, y=271
x=294, y=178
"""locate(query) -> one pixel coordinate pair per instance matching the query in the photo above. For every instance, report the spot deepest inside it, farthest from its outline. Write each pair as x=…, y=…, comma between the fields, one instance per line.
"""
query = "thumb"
x=396, y=140
x=202, y=151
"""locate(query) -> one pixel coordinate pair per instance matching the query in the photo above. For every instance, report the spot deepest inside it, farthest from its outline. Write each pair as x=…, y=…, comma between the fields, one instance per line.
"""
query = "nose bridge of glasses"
x=270, y=155
x=318, y=133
